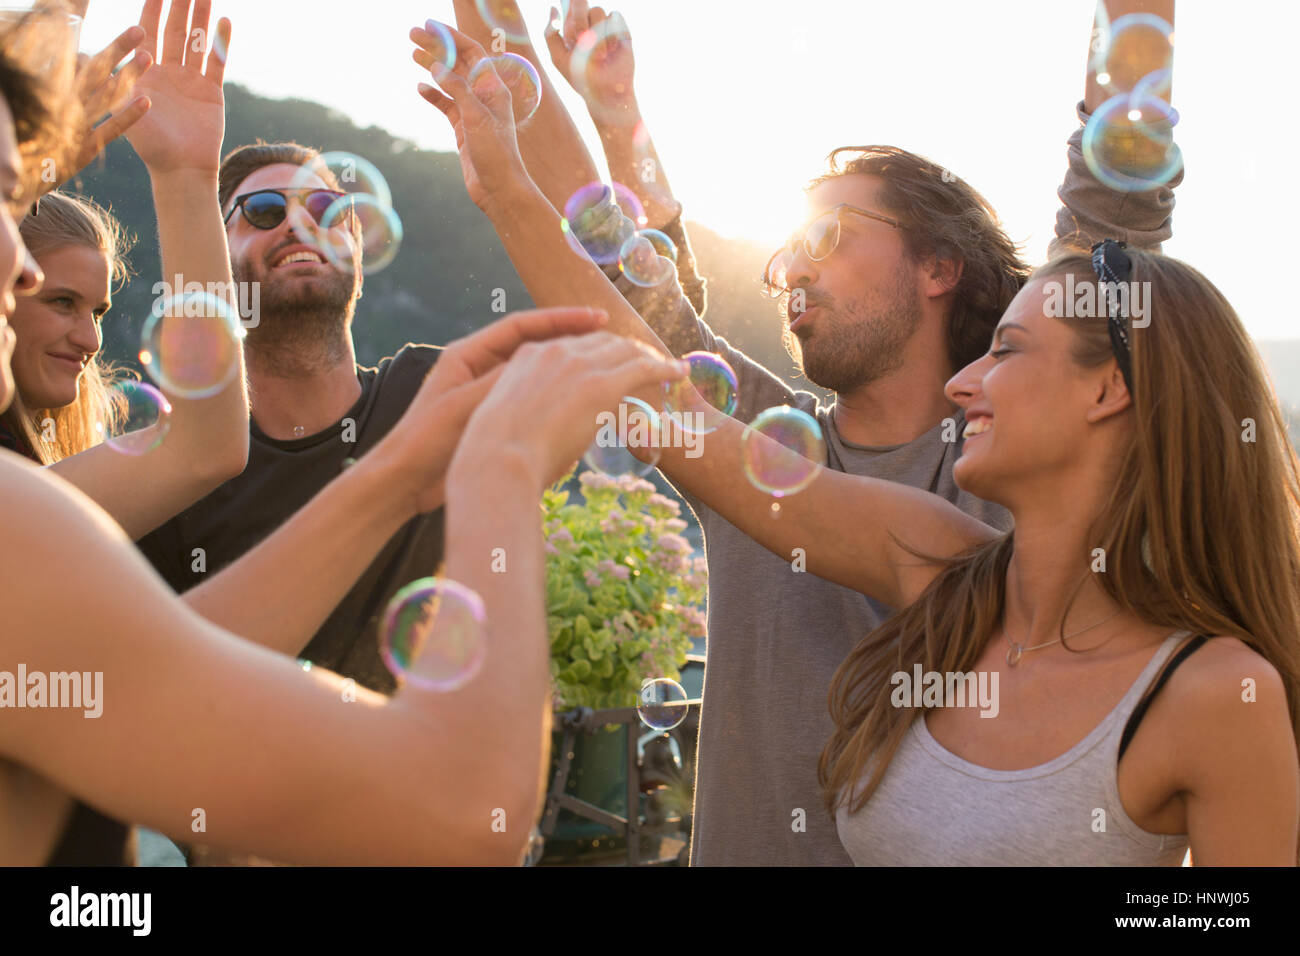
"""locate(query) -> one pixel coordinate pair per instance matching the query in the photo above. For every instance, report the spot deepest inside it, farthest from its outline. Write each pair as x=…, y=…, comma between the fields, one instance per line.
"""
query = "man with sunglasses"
x=894, y=282
x=290, y=230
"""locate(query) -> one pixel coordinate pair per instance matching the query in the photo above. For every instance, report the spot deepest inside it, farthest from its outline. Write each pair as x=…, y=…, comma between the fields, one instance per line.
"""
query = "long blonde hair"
x=52, y=434
x=1209, y=488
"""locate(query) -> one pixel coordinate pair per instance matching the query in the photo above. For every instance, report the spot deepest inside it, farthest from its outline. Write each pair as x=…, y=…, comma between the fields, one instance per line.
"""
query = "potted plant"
x=624, y=603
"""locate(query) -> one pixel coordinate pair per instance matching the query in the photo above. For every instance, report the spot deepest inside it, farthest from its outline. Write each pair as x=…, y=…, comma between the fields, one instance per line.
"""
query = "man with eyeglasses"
x=893, y=283
x=314, y=410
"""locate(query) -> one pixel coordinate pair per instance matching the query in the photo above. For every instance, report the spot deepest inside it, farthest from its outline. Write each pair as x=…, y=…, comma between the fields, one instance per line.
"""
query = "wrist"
x=629, y=115
x=498, y=473
x=512, y=203
x=188, y=181
x=380, y=481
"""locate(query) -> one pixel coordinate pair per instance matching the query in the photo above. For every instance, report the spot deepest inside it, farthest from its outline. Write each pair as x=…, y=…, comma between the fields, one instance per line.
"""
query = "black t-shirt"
x=281, y=477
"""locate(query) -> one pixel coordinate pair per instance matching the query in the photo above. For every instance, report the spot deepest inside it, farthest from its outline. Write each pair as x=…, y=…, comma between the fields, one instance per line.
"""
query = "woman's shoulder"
x=1224, y=704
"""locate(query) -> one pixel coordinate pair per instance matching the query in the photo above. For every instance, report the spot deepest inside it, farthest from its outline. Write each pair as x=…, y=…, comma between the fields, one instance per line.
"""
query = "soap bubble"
x=599, y=219
x=444, y=46
x=711, y=379
x=600, y=69
x=190, y=344
x=635, y=425
x=520, y=78
x=662, y=703
x=380, y=231
x=347, y=172
x=790, y=469
x=1129, y=145
x=503, y=15
x=1137, y=51
x=138, y=420
x=434, y=634
x=648, y=258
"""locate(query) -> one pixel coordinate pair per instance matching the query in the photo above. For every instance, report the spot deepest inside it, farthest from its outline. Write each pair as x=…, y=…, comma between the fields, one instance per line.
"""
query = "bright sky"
x=745, y=98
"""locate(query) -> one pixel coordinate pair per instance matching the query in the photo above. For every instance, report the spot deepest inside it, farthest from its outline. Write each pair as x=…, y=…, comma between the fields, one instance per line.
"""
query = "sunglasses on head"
x=266, y=208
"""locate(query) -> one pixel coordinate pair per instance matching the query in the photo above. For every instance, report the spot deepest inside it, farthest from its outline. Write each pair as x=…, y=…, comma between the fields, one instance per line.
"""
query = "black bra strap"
x=1140, y=710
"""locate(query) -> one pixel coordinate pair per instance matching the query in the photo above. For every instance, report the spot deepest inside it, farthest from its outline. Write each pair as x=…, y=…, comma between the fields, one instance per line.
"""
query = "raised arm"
x=280, y=592
x=1091, y=210
x=553, y=151
x=179, y=140
x=816, y=519
x=218, y=724
x=607, y=86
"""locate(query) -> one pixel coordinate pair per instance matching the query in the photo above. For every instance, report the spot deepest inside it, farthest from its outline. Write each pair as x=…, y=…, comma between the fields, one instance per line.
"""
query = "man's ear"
x=944, y=274
x=1112, y=395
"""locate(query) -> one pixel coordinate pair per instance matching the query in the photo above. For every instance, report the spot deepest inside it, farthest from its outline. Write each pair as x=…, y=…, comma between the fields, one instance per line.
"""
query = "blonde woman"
x=63, y=386
x=193, y=720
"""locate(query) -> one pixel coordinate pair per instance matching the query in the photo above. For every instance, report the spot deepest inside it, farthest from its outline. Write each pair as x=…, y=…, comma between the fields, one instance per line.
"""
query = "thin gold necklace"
x=1018, y=650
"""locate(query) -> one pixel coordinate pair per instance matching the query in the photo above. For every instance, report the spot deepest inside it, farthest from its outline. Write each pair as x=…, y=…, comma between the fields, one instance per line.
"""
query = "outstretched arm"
x=280, y=592
x=868, y=560
x=221, y=725
x=1090, y=209
x=179, y=140
x=552, y=149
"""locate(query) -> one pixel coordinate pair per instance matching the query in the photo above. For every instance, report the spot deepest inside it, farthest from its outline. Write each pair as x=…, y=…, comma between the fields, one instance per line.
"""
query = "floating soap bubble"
x=379, y=227
x=789, y=469
x=662, y=703
x=712, y=380
x=648, y=258
x=443, y=49
x=1129, y=145
x=599, y=219
x=601, y=69
x=138, y=420
x=1138, y=51
x=503, y=15
x=520, y=78
x=347, y=172
x=434, y=634
x=634, y=425
x=361, y=180
x=190, y=344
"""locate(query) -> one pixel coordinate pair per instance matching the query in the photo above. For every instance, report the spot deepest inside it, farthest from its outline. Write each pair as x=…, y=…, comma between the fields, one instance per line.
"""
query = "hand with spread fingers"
x=479, y=114
x=187, y=118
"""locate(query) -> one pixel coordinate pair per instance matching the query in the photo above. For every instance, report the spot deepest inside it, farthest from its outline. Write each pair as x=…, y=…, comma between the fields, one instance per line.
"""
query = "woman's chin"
x=972, y=478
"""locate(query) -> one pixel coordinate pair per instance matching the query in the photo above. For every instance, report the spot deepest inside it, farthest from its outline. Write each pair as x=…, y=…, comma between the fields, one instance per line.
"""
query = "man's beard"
x=303, y=330
x=861, y=342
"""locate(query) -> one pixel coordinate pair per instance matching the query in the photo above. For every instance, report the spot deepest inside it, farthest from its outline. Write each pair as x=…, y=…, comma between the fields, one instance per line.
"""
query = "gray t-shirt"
x=775, y=635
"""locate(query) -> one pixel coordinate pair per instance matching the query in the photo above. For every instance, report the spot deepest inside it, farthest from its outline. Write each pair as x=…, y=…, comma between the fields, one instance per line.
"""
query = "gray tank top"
x=933, y=808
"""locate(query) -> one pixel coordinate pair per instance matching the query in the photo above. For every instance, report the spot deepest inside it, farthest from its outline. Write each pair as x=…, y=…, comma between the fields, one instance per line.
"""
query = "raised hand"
x=480, y=116
x=187, y=119
x=103, y=92
x=570, y=380
x=424, y=439
x=605, y=83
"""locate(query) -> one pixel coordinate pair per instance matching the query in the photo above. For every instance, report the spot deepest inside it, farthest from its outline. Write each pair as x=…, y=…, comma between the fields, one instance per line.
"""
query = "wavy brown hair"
x=1219, y=517
x=37, y=65
x=944, y=217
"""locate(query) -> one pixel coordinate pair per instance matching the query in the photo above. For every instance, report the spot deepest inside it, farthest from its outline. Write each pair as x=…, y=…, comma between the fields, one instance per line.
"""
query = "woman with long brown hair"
x=1139, y=628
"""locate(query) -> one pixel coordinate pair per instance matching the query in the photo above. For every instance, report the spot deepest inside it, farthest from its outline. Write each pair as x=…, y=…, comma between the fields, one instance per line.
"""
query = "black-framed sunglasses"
x=266, y=208
x=819, y=239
